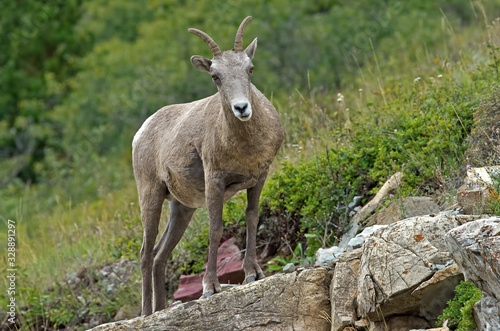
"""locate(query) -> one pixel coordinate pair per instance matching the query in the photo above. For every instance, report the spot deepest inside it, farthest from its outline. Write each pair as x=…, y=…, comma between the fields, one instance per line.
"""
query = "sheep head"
x=231, y=71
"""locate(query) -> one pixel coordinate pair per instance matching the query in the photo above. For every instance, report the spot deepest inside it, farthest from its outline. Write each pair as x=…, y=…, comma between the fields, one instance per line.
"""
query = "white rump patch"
x=141, y=131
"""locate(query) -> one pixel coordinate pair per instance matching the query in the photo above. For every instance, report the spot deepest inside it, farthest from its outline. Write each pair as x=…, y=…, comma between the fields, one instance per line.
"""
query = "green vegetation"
x=298, y=258
x=459, y=310
x=363, y=89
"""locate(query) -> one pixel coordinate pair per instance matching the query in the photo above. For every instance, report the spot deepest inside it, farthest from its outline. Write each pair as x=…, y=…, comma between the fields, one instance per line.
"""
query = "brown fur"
x=200, y=154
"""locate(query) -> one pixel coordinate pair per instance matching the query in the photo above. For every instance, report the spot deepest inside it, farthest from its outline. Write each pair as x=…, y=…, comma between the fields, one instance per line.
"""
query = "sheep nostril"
x=241, y=107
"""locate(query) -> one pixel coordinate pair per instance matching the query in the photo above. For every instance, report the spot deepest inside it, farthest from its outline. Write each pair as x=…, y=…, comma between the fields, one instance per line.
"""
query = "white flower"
x=439, y=76
x=360, y=90
x=417, y=79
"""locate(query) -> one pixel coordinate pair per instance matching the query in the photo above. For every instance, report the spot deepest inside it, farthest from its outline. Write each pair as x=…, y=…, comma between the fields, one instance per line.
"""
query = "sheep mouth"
x=245, y=118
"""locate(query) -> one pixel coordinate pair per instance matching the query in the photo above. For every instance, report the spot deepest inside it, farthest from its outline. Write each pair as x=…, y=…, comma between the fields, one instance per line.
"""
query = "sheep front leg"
x=250, y=266
x=214, y=188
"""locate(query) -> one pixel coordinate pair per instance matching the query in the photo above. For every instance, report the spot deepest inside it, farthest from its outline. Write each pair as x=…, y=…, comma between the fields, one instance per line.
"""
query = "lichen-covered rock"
x=433, y=295
x=475, y=246
x=343, y=291
x=397, y=260
x=295, y=301
x=487, y=312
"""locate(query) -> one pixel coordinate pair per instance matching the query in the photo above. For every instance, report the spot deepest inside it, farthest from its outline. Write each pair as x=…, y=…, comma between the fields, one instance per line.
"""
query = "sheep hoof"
x=260, y=275
x=208, y=294
x=250, y=279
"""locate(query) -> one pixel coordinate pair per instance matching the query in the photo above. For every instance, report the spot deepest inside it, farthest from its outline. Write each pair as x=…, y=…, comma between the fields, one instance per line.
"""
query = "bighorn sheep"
x=200, y=154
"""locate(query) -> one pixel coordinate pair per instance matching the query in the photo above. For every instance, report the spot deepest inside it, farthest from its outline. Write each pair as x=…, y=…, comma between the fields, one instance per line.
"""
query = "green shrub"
x=298, y=258
x=64, y=306
x=234, y=210
x=318, y=191
x=129, y=244
x=459, y=310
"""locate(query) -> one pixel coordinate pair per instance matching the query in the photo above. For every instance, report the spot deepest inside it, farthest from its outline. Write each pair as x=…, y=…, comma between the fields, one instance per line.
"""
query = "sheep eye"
x=251, y=70
x=214, y=77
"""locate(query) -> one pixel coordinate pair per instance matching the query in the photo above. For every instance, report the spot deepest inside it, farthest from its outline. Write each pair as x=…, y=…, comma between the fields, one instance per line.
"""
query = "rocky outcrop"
x=401, y=278
x=295, y=301
x=396, y=261
x=344, y=290
x=475, y=246
x=395, y=276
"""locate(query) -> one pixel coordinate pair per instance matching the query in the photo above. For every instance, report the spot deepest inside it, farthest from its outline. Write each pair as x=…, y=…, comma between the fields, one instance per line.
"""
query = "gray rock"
x=475, y=247
x=397, y=260
x=355, y=242
x=404, y=208
x=324, y=255
x=295, y=301
x=476, y=251
x=356, y=201
x=486, y=312
x=343, y=291
x=346, y=237
x=432, y=296
x=358, y=241
x=290, y=267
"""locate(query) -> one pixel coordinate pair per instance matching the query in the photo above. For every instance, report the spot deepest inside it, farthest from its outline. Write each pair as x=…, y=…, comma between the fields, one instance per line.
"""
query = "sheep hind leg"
x=151, y=201
x=180, y=216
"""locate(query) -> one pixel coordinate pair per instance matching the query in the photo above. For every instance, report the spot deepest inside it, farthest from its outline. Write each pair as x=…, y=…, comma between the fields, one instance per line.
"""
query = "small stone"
x=289, y=268
x=323, y=254
x=74, y=281
x=355, y=201
x=355, y=242
x=438, y=267
x=361, y=324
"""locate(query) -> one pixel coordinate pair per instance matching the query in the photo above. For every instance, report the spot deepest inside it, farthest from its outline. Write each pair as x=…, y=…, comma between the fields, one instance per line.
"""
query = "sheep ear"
x=251, y=48
x=201, y=63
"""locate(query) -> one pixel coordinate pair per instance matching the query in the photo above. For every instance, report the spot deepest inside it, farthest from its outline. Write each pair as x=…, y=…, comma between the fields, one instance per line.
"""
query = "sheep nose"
x=241, y=107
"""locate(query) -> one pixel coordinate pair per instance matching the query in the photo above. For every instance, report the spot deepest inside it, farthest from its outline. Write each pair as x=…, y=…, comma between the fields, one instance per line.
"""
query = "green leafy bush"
x=64, y=306
x=426, y=140
x=318, y=192
x=298, y=258
x=459, y=310
x=129, y=244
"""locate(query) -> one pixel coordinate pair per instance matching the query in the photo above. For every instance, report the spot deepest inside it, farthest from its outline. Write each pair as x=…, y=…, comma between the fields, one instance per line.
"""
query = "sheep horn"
x=208, y=40
x=238, y=42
